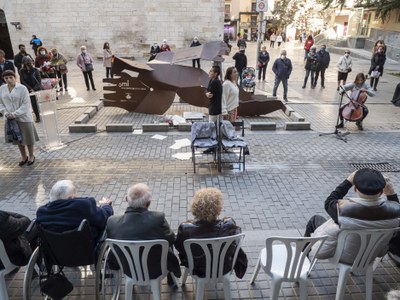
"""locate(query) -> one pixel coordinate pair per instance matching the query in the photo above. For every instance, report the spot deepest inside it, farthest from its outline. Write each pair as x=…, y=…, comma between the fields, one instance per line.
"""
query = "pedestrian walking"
x=344, y=65
x=15, y=106
x=85, y=62
x=279, y=39
x=240, y=62
x=324, y=59
x=376, y=70
x=20, y=55
x=272, y=39
x=230, y=95
x=4, y=66
x=36, y=43
x=59, y=62
x=241, y=43
x=30, y=78
x=195, y=43
x=311, y=66
x=282, y=69
x=107, y=59
x=263, y=60
x=307, y=45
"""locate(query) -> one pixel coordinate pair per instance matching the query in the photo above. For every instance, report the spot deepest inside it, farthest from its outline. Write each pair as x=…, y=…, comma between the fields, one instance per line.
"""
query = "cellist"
x=359, y=84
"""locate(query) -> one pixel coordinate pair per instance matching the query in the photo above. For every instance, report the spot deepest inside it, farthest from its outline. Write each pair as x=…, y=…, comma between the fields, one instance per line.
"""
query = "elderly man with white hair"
x=139, y=223
x=66, y=210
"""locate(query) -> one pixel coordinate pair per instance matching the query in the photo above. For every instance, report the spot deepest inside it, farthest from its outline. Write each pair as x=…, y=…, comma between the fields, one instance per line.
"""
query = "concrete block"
x=295, y=116
x=262, y=126
x=155, y=127
x=98, y=105
x=91, y=112
x=82, y=119
x=119, y=127
x=184, y=127
x=82, y=128
x=288, y=110
x=298, y=126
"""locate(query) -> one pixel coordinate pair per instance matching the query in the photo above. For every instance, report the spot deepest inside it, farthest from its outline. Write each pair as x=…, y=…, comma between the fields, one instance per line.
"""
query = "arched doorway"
x=5, y=40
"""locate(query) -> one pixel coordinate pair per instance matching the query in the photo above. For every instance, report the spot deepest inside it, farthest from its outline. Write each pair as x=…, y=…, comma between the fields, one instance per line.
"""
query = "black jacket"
x=31, y=79
x=324, y=59
x=18, y=59
x=142, y=224
x=203, y=229
x=12, y=229
x=311, y=61
x=215, y=105
x=377, y=60
x=263, y=58
x=240, y=61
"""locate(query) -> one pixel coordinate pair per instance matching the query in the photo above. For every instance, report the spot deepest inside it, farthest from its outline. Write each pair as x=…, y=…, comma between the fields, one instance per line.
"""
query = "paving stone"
x=91, y=112
x=119, y=127
x=298, y=126
x=184, y=127
x=82, y=128
x=262, y=125
x=158, y=127
x=82, y=119
x=295, y=116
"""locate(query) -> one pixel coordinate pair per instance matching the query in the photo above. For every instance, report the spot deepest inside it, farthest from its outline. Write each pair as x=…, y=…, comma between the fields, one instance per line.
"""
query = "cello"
x=353, y=111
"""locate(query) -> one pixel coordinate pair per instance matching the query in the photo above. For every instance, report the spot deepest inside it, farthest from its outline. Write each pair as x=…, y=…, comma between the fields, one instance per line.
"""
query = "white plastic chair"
x=214, y=268
x=285, y=259
x=136, y=255
x=372, y=242
x=8, y=268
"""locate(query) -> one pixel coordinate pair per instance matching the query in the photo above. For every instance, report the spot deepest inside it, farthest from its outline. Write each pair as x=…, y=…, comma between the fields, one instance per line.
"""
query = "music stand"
x=337, y=132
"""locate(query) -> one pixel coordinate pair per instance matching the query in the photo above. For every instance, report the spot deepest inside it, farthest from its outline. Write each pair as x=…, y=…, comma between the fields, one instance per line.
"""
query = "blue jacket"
x=8, y=65
x=282, y=68
x=67, y=214
x=324, y=58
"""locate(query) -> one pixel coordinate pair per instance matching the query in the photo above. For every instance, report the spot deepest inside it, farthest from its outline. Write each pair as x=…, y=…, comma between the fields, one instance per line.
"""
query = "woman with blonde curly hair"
x=206, y=206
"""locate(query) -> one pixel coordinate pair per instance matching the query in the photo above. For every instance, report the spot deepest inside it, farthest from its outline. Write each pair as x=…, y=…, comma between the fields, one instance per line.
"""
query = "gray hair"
x=138, y=195
x=62, y=189
x=393, y=295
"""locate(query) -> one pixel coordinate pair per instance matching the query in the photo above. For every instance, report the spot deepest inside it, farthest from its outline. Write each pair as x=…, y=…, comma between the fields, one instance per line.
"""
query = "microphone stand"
x=337, y=132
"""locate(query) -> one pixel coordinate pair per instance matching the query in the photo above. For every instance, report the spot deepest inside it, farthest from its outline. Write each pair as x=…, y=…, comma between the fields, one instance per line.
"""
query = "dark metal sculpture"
x=153, y=87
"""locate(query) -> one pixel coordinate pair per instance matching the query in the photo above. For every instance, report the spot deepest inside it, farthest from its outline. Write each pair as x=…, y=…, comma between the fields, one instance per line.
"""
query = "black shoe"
x=87, y=89
x=93, y=89
x=313, y=86
x=285, y=99
x=30, y=163
x=37, y=120
x=322, y=86
x=303, y=87
x=22, y=162
x=340, y=125
x=209, y=151
x=337, y=89
x=375, y=89
x=66, y=89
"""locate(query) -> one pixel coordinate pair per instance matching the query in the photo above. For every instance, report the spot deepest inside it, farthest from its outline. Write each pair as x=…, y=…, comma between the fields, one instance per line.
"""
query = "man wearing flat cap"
x=369, y=209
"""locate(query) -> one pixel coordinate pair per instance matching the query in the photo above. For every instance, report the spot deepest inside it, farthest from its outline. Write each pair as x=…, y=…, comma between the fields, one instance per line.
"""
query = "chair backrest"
x=227, y=130
x=71, y=248
x=215, y=251
x=203, y=130
x=297, y=249
x=135, y=255
x=5, y=263
x=371, y=243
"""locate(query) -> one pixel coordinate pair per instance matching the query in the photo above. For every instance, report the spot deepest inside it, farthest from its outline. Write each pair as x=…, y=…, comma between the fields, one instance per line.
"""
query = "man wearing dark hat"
x=368, y=209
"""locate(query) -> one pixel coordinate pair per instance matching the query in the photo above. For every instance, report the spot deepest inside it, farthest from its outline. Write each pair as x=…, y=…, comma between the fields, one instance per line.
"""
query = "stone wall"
x=130, y=27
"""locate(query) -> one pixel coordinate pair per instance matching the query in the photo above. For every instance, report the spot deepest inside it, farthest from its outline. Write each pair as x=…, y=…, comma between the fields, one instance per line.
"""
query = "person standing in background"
x=344, y=67
x=164, y=46
x=324, y=59
x=85, y=62
x=377, y=62
x=279, y=39
x=263, y=60
x=230, y=95
x=272, y=39
x=59, y=62
x=4, y=66
x=36, y=43
x=195, y=43
x=282, y=69
x=20, y=55
x=107, y=59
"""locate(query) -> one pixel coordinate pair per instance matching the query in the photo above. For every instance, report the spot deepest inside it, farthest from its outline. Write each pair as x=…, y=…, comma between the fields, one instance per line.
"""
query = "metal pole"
x=259, y=37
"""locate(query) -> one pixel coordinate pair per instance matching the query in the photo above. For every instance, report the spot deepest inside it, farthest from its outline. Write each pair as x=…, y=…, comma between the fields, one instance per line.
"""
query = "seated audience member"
x=206, y=207
x=18, y=243
x=368, y=210
x=65, y=211
x=139, y=223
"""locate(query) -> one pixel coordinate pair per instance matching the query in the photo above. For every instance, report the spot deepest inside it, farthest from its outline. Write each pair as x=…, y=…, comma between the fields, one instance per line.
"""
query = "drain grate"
x=382, y=167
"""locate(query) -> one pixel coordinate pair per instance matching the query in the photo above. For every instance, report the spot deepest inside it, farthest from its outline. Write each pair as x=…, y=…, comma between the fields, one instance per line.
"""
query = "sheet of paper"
x=158, y=137
x=183, y=156
x=137, y=131
x=180, y=144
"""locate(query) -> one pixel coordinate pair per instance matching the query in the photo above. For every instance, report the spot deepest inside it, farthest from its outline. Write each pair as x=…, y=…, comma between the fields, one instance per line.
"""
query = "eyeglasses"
x=347, y=53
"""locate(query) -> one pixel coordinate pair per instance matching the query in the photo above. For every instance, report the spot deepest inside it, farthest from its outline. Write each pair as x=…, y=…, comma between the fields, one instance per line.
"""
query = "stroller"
x=249, y=80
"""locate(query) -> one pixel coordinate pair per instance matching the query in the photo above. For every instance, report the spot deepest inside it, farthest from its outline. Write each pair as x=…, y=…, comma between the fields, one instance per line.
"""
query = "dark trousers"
x=262, y=70
x=308, y=72
x=313, y=224
x=285, y=86
x=109, y=73
x=271, y=44
x=194, y=63
x=87, y=76
x=374, y=82
x=35, y=107
x=322, y=71
x=365, y=113
x=62, y=80
x=279, y=44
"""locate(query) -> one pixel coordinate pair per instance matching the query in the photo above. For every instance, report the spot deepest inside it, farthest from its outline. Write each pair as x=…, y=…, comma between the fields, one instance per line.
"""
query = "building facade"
x=130, y=27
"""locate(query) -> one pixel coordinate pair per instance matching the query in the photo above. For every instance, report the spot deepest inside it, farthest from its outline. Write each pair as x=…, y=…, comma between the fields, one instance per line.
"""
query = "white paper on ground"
x=183, y=156
x=180, y=144
x=158, y=137
x=137, y=131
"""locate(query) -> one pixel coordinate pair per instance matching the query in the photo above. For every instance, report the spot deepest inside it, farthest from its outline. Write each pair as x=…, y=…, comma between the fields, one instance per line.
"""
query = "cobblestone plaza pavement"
x=287, y=179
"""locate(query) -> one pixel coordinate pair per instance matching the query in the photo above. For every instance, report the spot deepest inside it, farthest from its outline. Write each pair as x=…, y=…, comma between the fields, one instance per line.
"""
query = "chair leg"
x=303, y=288
x=368, y=283
x=256, y=270
x=3, y=287
x=128, y=289
x=343, y=272
x=275, y=288
x=200, y=288
x=184, y=275
x=156, y=289
x=227, y=286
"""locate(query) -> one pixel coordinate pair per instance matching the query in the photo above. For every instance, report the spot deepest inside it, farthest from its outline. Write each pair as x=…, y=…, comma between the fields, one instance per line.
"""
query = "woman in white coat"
x=230, y=95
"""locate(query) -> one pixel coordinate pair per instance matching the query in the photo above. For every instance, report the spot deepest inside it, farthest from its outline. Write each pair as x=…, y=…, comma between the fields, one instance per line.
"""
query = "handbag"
x=56, y=286
x=349, y=70
x=89, y=67
x=375, y=74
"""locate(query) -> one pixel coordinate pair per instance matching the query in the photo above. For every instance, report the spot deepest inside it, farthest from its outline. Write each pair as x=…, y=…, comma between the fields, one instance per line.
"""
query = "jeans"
x=312, y=77
x=63, y=80
x=285, y=86
x=262, y=70
x=322, y=71
x=87, y=76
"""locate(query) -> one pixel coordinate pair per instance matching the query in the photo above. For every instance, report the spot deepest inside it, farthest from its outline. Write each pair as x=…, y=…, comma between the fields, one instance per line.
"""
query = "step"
x=295, y=116
x=155, y=127
x=91, y=112
x=262, y=126
x=82, y=119
x=297, y=126
x=82, y=128
x=119, y=127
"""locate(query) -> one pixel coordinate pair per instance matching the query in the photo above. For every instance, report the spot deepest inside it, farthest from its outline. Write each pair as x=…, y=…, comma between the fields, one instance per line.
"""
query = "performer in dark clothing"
x=240, y=62
x=195, y=43
x=214, y=93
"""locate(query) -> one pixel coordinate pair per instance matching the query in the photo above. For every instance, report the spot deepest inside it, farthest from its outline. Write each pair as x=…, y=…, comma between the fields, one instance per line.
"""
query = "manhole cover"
x=382, y=167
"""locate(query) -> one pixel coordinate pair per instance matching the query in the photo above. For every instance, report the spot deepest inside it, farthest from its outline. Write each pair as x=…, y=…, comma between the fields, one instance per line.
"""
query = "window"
x=253, y=6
